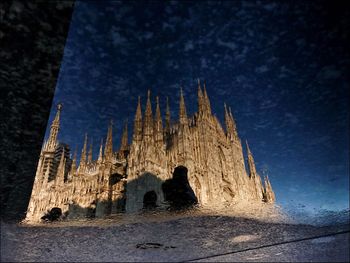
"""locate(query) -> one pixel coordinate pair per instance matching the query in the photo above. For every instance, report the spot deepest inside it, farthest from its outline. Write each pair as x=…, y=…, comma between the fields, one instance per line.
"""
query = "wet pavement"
x=201, y=235
x=330, y=248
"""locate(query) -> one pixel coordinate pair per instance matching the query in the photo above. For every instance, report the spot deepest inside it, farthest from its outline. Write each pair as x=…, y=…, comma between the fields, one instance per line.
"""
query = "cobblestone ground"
x=182, y=236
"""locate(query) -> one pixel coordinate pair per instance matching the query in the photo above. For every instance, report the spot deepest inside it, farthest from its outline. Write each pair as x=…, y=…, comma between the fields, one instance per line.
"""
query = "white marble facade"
x=118, y=180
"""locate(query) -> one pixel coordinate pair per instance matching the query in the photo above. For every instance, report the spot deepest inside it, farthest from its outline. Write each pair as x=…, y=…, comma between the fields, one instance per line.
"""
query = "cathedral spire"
x=61, y=169
x=124, y=141
x=138, y=122
x=74, y=163
x=55, y=126
x=89, y=160
x=56, y=121
x=182, y=111
x=251, y=164
x=234, y=127
x=158, y=125
x=158, y=115
x=100, y=154
x=206, y=99
x=200, y=97
x=269, y=195
x=227, y=120
x=82, y=162
x=148, y=111
x=167, y=116
x=61, y=159
x=148, y=119
x=266, y=181
x=230, y=123
x=248, y=149
x=109, y=143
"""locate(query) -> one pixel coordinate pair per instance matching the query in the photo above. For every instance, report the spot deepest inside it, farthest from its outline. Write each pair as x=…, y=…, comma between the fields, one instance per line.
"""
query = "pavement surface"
x=329, y=248
x=209, y=237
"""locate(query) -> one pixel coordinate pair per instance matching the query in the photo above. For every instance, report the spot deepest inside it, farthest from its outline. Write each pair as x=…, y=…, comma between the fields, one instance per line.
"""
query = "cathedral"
x=120, y=180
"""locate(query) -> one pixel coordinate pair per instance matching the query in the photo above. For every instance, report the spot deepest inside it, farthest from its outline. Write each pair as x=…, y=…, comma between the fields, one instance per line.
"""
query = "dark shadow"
x=76, y=211
x=115, y=178
x=150, y=200
x=177, y=191
x=146, y=193
x=114, y=206
x=52, y=215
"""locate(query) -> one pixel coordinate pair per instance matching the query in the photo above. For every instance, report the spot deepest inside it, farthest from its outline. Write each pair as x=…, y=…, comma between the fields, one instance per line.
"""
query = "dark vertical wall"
x=32, y=37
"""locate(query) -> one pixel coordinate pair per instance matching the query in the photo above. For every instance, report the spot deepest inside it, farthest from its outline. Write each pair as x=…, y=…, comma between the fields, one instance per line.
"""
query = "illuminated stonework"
x=118, y=180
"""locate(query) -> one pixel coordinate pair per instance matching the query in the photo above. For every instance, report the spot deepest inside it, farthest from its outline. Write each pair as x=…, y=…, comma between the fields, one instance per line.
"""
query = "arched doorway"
x=137, y=188
x=177, y=191
x=150, y=200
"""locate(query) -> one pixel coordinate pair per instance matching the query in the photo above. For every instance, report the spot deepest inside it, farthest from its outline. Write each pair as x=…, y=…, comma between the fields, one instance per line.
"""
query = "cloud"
x=261, y=69
x=189, y=45
x=204, y=63
x=330, y=73
x=267, y=104
x=229, y=45
x=270, y=6
x=148, y=35
x=291, y=118
x=117, y=38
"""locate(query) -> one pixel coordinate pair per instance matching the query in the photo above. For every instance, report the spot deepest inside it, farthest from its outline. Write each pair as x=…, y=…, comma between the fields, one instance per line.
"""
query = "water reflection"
x=260, y=212
x=157, y=235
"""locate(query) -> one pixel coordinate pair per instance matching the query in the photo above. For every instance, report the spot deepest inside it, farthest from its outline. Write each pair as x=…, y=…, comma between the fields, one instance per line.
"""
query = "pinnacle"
x=182, y=110
x=100, y=155
x=158, y=116
x=167, y=104
x=148, y=104
x=204, y=89
x=248, y=149
x=59, y=106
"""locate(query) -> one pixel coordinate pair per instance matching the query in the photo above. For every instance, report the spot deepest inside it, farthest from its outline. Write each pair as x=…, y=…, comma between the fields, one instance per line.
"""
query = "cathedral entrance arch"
x=177, y=191
x=150, y=200
x=144, y=191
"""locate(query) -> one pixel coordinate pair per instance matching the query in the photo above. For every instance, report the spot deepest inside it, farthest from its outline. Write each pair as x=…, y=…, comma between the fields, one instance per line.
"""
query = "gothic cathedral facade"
x=119, y=180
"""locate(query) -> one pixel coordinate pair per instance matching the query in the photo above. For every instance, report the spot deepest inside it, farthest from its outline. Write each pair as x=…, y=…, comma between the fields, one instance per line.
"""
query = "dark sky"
x=280, y=65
